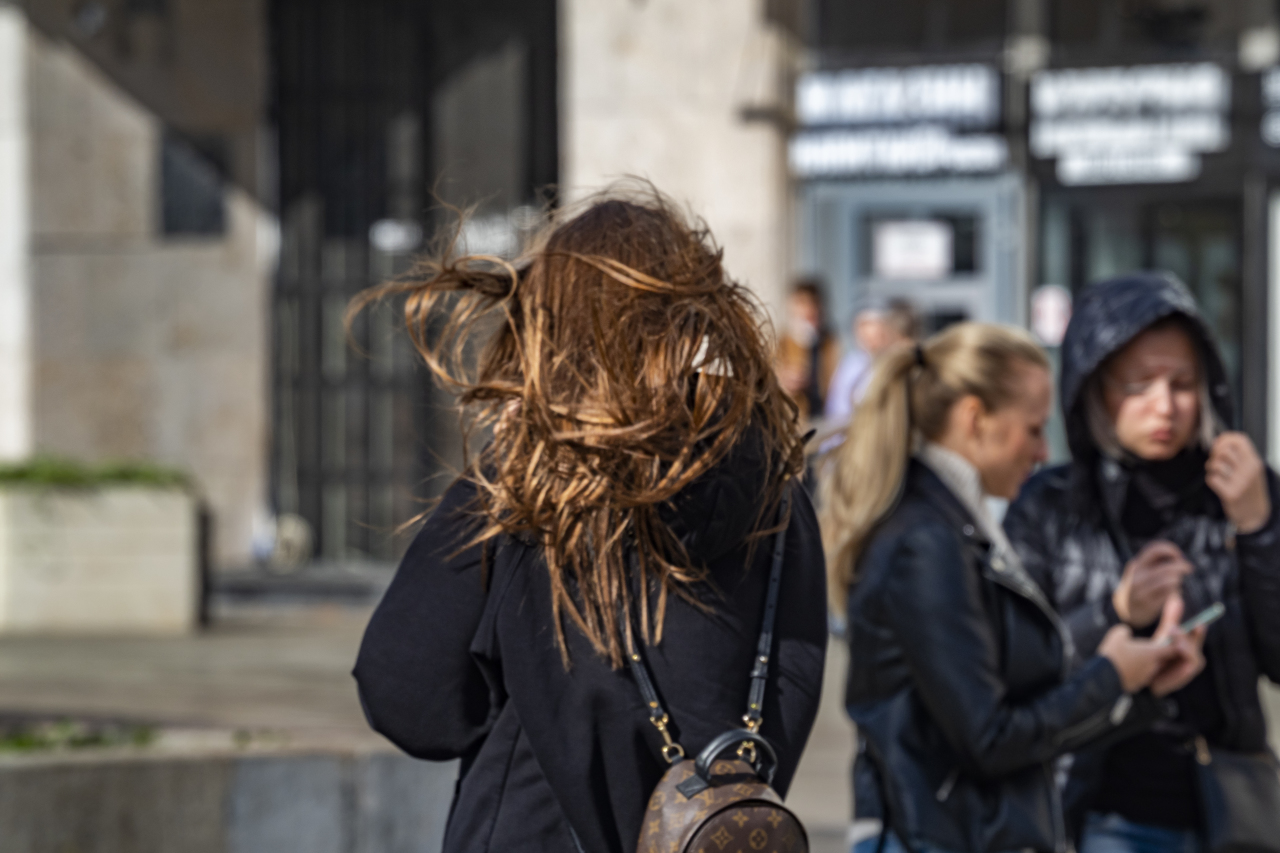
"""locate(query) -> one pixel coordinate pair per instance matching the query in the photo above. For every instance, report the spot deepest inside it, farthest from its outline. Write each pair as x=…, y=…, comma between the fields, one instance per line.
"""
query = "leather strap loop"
x=765, y=763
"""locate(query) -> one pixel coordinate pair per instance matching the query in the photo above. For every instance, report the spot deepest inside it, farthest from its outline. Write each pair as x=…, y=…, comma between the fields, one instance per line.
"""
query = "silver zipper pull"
x=948, y=785
x=1120, y=710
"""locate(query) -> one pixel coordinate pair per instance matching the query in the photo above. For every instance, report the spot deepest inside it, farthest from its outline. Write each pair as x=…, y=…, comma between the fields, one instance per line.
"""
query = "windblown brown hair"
x=625, y=365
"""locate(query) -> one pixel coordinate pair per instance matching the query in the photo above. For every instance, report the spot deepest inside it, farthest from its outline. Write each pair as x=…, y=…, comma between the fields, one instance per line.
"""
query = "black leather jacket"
x=958, y=684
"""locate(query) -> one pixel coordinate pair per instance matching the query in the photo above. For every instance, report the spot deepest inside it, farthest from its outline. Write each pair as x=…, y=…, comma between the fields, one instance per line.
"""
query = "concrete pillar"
x=690, y=96
x=15, y=210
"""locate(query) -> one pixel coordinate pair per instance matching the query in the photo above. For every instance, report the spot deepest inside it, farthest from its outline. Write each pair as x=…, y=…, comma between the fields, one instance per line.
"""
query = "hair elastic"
x=919, y=355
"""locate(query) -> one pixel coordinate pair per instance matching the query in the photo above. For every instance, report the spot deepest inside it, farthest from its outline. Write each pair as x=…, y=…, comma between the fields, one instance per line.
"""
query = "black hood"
x=1107, y=316
x=717, y=512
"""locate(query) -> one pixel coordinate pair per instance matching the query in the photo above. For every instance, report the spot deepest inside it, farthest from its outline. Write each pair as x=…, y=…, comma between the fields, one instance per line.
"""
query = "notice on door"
x=918, y=249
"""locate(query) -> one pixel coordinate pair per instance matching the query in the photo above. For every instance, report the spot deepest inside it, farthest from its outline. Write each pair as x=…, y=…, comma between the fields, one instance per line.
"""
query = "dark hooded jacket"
x=1068, y=525
x=455, y=664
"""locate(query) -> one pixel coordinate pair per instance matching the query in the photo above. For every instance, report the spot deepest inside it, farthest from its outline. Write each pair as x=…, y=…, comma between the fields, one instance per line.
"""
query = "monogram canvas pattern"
x=737, y=814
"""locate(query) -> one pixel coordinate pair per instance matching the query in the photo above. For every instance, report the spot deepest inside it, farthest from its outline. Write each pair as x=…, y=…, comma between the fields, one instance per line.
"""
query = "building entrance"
x=952, y=247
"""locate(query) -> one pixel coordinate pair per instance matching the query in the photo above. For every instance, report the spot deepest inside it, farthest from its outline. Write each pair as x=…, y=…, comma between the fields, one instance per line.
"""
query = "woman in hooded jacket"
x=641, y=450
x=1158, y=500
x=959, y=673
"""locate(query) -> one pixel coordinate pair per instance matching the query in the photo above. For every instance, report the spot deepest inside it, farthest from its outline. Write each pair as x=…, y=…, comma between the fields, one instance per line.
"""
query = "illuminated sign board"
x=881, y=122
x=956, y=94
x=1145, y=124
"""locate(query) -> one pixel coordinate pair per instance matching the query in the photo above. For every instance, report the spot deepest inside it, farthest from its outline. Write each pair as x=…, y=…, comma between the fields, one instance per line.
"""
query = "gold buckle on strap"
x=671, y=750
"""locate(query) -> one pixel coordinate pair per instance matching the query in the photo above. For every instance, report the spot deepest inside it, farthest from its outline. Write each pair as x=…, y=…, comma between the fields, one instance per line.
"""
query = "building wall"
x=144, y=346
x=657, y=90
x=15, y=343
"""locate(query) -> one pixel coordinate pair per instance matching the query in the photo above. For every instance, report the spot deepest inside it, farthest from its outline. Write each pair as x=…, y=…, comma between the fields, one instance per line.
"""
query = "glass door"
x=951, y=246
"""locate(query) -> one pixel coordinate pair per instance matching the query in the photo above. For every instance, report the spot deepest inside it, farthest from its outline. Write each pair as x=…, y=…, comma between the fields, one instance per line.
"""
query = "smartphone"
x=1208, y=616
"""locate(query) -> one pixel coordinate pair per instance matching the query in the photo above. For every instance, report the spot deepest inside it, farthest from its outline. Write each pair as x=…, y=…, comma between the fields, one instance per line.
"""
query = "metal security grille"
x=359, y=442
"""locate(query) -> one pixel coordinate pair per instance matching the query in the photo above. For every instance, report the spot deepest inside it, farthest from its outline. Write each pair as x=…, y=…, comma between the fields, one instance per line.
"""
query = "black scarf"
x=1160, y=492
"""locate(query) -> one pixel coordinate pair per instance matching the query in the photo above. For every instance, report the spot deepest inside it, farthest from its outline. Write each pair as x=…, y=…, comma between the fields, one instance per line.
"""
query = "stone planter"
x=112, y=559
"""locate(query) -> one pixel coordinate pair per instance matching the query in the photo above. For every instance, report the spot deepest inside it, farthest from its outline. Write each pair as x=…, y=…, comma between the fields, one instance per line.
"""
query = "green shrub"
x=71, y=734
x=57, y=471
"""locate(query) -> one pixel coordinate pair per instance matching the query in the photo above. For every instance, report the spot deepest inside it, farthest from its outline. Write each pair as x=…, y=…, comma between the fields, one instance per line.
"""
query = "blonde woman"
x=961, y=678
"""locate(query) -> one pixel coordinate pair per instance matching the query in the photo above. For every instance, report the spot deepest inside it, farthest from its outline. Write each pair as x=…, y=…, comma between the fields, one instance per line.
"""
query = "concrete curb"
x=129, y=801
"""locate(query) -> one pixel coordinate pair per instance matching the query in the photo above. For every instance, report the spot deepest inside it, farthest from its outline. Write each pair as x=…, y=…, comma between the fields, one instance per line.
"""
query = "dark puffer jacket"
x=1061, y=522
x=958, y=685
x=457, y=665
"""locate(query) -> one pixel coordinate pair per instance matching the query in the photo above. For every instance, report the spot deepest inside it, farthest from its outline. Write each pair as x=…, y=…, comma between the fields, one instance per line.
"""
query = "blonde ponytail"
x=910, y=397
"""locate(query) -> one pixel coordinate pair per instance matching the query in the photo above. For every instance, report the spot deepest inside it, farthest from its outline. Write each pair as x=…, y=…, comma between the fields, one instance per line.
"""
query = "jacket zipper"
x=1054, y=619
x=1098, y=720
x=1055, y=807
x=948, y=785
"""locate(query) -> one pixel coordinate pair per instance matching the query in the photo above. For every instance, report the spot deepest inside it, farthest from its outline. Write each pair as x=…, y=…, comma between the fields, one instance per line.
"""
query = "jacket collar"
x=929, y=486
x=923, y=481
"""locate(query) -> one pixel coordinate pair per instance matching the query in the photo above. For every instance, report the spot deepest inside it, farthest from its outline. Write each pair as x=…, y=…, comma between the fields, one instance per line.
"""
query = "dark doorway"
x=1200, y=243
x=372, y=101
x=1088, y=236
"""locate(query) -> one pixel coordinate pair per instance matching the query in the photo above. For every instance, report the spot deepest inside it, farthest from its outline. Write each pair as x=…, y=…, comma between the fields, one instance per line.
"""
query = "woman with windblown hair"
x=641, y=448
x=958, y=673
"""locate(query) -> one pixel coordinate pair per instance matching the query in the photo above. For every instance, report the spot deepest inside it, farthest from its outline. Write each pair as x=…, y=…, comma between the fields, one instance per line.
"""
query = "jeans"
x=892, y=845
x=1113, y=834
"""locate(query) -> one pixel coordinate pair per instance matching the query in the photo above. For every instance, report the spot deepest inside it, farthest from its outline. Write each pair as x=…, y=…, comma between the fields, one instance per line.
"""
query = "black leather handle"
x=766, y=763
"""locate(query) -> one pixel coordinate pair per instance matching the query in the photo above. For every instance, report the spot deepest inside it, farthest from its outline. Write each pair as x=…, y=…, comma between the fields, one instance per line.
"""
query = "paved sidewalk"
x=287, y=669
x=282, y=669
x=820, y=794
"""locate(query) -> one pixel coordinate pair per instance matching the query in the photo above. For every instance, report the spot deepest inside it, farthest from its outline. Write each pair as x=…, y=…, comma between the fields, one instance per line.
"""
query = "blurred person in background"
x=960, y=678
x=876, y=327
x=807, y=352
x=641, y=450
x=1158, y=501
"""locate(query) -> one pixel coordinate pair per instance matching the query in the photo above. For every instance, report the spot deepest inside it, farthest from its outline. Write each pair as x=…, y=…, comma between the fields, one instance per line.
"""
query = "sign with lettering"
x=919, y=120
x=1144, y=124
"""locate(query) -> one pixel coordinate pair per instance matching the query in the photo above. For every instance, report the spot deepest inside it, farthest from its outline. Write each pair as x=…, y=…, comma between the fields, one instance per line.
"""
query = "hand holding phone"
x=1165, y=663
x=1204, y=618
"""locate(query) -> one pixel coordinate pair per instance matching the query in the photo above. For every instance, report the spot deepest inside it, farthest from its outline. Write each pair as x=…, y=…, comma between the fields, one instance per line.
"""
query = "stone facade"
x=118, y=340
x=135, y=344
x=15, y=331
x=690, y=96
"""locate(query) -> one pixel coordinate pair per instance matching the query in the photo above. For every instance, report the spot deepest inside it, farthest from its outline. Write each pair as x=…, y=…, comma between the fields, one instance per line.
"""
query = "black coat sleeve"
x=1259, y=560
x=1030, y=525
x=418, y=683
x=935, y=606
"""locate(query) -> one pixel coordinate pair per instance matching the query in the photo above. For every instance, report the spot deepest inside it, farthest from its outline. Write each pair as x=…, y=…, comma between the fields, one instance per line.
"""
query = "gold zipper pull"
x=1202, y=751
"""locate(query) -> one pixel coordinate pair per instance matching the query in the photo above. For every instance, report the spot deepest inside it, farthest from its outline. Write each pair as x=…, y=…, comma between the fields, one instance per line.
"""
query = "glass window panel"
x=333, y=535
x=334, y=352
